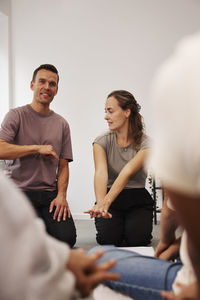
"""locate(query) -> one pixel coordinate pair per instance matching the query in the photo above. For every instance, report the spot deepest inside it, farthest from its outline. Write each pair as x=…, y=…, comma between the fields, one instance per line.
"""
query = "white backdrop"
x=97, y=46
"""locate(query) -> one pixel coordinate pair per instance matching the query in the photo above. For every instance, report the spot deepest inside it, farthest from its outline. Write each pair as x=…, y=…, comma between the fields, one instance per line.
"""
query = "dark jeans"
x=131, y=222
x=64, y=231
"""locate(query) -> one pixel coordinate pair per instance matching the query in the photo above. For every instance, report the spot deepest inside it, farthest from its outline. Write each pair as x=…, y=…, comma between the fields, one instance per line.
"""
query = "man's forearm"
x=10, y=151
x=63, y=177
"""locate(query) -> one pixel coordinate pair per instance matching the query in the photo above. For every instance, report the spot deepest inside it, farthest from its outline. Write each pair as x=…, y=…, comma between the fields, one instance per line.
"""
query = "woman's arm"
x=104, y=202
x=136, y=163
x=101, y=172
x=100, y=183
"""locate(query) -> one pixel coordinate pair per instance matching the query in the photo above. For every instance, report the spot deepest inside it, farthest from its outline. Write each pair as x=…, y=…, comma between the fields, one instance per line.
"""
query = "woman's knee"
x=138, y=240
x=108, y=233
x=104, y=238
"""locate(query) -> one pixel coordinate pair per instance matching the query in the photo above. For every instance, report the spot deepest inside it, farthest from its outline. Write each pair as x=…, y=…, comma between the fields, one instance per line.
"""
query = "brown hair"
x=127, y=101
x=47, y=67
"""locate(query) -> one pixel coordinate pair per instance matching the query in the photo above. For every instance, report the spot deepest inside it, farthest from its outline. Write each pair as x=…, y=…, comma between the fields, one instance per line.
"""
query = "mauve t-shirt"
x=25, y=126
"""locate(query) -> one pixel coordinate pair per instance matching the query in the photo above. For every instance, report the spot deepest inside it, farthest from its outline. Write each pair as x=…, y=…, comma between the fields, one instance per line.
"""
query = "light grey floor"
x=86, y=234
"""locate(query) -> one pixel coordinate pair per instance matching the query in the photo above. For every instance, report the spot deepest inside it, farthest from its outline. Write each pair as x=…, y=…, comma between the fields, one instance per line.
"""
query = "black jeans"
x=132, y=220
x=64, y=231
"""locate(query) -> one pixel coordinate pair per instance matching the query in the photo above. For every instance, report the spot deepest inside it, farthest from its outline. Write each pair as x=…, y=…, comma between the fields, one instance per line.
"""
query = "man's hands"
x=100, y=210
x=86, y=271
x=12, y=151
x=48, y=151
x=188, y=292
x=62, y=208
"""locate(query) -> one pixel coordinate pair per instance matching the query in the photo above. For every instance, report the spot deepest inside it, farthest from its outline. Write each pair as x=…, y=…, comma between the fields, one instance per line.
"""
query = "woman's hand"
x=100, y=210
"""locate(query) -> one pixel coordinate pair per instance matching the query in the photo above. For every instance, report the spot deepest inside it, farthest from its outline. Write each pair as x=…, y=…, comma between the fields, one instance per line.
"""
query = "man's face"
x=44, y=87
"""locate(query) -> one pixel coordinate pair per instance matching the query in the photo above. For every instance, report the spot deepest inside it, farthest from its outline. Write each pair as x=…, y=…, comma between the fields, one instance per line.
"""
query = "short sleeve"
x=146, y=142
x=66, y=151
x=10, y=126
x=102, y=141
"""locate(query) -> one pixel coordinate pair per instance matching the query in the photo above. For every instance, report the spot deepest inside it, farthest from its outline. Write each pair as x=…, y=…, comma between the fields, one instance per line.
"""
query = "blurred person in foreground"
x=35, y=265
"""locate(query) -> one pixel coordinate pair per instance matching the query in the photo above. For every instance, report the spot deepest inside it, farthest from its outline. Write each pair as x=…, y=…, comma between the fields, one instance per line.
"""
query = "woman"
x=124, y=209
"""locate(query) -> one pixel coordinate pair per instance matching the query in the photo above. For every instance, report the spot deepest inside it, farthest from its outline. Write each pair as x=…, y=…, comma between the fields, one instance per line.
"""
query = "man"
x=36, y=143
x=33, y=265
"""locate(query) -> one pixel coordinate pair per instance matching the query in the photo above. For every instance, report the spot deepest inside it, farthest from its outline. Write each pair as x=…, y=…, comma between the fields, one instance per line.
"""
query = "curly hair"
x=127, y=101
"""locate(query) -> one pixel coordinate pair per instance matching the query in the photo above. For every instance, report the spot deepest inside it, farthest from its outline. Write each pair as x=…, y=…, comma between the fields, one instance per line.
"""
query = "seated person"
x=33, y=264
x=124, y=208
x=144, y=277
x=175, y=159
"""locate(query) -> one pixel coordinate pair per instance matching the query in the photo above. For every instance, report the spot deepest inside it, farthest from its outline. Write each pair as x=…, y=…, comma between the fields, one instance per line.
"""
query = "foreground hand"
x=168, y=252
x=188, y=292
x=88, y=274
x=48, y=151
x=99, y=210
x=62, y=208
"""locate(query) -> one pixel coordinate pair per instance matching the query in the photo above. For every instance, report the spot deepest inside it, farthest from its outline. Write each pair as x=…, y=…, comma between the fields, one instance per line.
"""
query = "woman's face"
x=115, y=115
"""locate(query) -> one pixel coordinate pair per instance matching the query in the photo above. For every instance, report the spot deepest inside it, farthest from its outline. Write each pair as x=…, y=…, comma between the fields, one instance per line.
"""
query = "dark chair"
x=156, y=209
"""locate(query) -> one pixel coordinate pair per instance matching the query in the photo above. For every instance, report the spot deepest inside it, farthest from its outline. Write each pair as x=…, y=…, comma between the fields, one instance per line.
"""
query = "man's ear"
x=56, y=91
x=31, y=85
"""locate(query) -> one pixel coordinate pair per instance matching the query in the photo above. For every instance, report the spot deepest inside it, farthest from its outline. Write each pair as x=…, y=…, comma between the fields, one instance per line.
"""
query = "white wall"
x=5, y=7
x=4, y=66
x=4, y=56
x=97, y=46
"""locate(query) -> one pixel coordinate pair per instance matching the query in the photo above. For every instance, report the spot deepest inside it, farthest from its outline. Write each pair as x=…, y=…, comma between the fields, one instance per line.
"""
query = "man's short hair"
x=47, y=67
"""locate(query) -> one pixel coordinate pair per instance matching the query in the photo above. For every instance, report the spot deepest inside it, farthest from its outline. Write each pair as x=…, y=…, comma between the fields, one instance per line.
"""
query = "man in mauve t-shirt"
x=36, y=144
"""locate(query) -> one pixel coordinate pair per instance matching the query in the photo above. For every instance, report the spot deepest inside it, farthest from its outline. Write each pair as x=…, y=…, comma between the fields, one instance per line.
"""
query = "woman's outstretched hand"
x=100, y=210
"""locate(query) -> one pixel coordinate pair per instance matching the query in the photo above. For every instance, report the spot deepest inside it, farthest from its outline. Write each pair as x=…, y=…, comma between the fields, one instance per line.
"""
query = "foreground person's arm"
x=38, y=266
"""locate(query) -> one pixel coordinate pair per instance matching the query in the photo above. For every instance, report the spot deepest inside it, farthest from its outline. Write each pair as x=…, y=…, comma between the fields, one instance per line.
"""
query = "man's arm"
x=62, y=207
x=12, y=151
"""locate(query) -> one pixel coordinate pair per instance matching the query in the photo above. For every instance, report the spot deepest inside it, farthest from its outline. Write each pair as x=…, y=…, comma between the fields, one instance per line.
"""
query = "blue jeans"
x=141, y=277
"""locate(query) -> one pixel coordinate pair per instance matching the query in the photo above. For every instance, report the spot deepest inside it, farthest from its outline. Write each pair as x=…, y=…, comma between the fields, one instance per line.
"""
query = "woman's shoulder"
x=146, y=141
x=105, y=136
x=105, y=140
